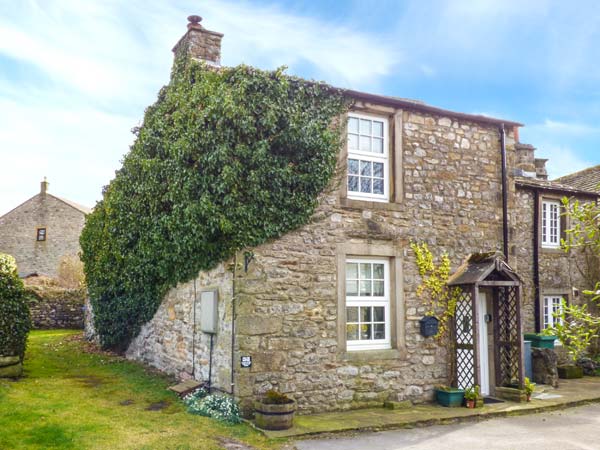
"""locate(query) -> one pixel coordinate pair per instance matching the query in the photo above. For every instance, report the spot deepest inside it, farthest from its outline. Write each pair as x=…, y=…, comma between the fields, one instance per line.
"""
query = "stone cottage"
x=328, y=313
x=42, y=230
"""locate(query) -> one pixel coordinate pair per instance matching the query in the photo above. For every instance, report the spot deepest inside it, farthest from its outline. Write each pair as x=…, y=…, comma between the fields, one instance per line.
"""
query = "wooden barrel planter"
x=274, y=416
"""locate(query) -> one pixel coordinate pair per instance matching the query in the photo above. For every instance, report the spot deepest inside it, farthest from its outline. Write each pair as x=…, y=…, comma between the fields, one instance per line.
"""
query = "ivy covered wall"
x=225, y=159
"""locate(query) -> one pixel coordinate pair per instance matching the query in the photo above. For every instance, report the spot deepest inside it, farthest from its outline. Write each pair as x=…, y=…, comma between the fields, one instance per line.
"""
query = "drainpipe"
x=536, y=259
x=233, y=324
x=504, y=193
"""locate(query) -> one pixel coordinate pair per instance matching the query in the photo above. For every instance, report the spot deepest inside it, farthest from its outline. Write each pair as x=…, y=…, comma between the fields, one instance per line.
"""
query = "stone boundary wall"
x=61, y=309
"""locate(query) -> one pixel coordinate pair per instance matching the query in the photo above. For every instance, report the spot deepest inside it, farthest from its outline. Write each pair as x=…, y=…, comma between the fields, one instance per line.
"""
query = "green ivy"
x=15, y=321
x=225, y=159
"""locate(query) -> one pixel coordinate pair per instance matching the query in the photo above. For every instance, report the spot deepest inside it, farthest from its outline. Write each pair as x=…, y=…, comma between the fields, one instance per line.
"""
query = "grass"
x=70, y=398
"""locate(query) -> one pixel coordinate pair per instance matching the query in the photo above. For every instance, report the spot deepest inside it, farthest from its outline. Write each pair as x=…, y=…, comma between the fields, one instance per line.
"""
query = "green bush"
x=224, y=160
x=15, y=321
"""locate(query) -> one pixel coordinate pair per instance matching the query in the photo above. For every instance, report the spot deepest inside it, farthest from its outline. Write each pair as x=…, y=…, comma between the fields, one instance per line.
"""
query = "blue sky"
x=75, y=76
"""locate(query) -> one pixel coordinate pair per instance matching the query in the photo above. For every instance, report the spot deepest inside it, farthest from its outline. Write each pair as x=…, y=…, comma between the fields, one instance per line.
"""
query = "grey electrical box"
x=208, y=312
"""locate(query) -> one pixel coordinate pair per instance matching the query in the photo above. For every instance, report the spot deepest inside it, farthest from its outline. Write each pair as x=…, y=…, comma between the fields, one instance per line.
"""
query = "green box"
x=451, y=397
x=540, y=340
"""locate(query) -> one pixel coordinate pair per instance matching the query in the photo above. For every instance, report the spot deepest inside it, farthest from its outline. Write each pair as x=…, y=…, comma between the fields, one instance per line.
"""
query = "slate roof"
x=478, y=266
x=586, y=179
x=554, y=186
x=418, y=105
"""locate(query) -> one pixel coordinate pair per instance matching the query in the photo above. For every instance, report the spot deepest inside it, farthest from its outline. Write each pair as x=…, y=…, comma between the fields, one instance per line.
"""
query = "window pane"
x=377, y=145
x=353, y=166
x=365, y=168
x=378, y=314
x=352, y=288
x=378, y=271
x=365, y=314
x=377, y=128
x=353, y=184
x=365, y=271
x=378, y=186
x=353, y=141
x=365, y=332
x=365, y=185
x=352, y=314
x=365, y=288
x=351, y=271
x=353, y=125
x=365, y=127
x=379, y=331
x=378, y=289
x=378, y=170
x=365, y=144
x=351, y=332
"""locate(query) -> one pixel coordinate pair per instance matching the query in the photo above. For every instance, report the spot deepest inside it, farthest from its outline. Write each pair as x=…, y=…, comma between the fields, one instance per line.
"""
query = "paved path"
x=570, y=429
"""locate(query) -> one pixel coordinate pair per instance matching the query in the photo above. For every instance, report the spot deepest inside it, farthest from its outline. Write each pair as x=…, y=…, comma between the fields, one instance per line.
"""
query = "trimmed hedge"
x=15, y=321
x=224, y=160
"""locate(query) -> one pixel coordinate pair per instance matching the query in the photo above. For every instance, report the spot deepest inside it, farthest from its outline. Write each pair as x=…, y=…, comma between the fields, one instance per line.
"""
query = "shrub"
x=15, y=321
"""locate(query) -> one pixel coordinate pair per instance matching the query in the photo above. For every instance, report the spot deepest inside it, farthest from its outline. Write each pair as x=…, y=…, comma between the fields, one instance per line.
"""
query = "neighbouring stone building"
x=42, y=230
x=329, y=313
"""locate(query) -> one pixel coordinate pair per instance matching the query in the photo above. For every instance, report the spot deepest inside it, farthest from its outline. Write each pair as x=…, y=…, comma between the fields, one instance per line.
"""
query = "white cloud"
x=562, y=160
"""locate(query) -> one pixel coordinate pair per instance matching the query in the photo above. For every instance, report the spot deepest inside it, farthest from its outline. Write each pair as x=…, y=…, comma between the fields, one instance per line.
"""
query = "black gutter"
x=536, y=260
x=504, y=193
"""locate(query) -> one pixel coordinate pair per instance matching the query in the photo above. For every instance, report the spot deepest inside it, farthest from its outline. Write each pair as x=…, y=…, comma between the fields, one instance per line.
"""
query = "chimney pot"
x=194, y=22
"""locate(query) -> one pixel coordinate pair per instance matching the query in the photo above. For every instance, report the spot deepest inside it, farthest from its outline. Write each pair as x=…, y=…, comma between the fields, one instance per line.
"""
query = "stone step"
x=185, y=387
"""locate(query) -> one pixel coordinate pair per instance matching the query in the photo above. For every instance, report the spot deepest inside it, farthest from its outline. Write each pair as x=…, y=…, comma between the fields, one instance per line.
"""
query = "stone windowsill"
x=372, y=355
x=362, y=204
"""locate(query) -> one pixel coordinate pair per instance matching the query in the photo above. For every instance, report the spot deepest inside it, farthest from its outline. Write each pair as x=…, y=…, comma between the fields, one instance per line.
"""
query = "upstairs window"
x=367, y=304
x=550, y=224
x=368, y=177
x=41, y=234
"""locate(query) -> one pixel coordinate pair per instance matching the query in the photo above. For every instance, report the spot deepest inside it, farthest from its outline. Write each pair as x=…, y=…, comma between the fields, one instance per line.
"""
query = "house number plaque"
x=246, y=361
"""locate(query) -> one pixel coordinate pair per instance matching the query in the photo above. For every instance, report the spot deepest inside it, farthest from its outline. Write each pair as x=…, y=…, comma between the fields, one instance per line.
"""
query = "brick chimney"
x=44, y=186
x=199, y=43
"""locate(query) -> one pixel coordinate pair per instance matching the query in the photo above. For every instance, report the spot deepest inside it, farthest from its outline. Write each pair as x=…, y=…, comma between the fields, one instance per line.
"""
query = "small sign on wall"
x=246, y=361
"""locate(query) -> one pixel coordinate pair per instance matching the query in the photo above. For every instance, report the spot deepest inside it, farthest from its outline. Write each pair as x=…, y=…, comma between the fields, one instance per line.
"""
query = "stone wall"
x=18, y=234
x=56, y=308
x=172, y=340
x=448, y=194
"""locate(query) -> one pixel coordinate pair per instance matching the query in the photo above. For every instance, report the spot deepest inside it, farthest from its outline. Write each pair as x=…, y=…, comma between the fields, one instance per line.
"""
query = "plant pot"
x=569, y=372
x=274, y=416
x=528, y=397
x=450, y=398
x=470, y=403
x=540, y=340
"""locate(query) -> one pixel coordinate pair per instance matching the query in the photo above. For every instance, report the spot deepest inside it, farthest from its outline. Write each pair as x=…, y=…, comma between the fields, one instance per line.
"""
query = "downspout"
x=194, y=333
x=504, y=193
x=233, y=324
x=536, y=260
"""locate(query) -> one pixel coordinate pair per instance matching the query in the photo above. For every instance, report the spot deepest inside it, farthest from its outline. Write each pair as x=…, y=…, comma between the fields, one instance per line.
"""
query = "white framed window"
x=550, y=224
x=552, y=305
x=368, y=172
x=367, y=304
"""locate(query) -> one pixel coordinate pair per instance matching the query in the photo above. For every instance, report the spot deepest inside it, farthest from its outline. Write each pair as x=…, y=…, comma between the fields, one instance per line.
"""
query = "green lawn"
x=70, y=398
